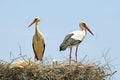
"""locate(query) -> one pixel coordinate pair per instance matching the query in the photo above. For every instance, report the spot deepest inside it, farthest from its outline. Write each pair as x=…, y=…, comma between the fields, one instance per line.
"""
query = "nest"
x=29, y=70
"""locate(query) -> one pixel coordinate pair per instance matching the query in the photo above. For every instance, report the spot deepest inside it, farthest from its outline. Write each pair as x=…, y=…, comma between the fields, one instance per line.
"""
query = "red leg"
x=76, y=52
x=70, y=55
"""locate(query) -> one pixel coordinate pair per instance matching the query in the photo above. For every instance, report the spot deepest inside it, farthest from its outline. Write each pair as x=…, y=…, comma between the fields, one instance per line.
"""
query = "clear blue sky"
x=58, y=18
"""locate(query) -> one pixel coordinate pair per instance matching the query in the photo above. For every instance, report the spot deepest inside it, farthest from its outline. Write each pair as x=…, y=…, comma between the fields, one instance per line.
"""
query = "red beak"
x=89, y=30
x=32, y=23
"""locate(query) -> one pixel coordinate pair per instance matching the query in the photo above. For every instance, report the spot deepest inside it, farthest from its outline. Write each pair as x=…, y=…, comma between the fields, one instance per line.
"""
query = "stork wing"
x=65, y=42
x=67, y=38
x=34, y=51
x=43, y=47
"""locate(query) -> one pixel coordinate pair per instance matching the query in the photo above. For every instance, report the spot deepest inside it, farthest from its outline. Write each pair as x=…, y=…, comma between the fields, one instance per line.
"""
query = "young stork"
x=38, y=41
x=74, y=39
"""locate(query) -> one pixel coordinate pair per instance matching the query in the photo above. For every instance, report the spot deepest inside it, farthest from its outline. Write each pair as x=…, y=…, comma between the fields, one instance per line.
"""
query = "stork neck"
x=84, y=31
x=37, y=27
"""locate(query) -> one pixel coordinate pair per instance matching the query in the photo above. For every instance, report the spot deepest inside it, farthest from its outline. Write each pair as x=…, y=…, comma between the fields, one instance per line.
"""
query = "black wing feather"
x=65, y=42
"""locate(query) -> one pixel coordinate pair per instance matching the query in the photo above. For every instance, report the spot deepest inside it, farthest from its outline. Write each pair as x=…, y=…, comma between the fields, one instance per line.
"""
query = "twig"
x=16, y=59
x=83, y=59
x=110, y=74
x=11, y=55
x=106, y=59
x=21, y=53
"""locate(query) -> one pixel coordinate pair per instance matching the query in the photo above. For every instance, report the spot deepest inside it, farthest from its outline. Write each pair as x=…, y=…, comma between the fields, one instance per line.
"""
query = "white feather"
x=78, y=35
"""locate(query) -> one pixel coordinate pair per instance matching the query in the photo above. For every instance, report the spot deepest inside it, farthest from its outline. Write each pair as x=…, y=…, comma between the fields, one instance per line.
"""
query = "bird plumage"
x=66, y=42
x=38, y=41
x=78, y=35
x=73, y=38
x=38, y=44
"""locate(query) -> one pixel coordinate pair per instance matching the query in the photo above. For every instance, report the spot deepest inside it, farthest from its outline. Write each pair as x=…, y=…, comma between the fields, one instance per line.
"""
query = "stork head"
x=85, y=27
x=36, y=20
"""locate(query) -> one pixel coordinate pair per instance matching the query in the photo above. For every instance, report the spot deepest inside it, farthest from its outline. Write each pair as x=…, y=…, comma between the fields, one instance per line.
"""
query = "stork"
x=74, y=39
x=38, y=42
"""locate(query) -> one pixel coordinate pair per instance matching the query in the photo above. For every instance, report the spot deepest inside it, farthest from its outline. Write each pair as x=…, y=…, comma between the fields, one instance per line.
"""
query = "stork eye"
x=36, y=19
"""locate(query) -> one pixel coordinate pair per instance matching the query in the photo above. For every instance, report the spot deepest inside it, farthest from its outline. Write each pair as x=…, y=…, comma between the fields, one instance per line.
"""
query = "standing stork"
x=38, y=41
x=74, y=39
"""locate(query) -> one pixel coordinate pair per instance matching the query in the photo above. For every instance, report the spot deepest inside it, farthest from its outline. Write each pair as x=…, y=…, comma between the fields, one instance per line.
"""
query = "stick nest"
x=29, y=70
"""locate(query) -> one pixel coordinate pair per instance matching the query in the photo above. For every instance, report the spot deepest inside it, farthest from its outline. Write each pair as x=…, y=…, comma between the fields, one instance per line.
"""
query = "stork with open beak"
x=74, y=39
x=38, y=41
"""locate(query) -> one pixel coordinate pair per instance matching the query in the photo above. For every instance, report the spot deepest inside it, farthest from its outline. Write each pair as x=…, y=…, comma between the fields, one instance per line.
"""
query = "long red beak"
x=32, y=23
x=89, y=30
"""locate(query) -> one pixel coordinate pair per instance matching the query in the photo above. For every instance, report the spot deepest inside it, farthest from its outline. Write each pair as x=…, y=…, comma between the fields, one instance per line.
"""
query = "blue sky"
x=58, y=18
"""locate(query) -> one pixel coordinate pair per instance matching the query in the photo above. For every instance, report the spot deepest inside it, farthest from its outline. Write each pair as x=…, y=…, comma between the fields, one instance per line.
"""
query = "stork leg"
x=76, y=52
x=70, y=55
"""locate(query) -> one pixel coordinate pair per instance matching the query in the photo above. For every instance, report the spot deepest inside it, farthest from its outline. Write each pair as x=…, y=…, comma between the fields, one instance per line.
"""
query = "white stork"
x=38, y=41
x=74, y=39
